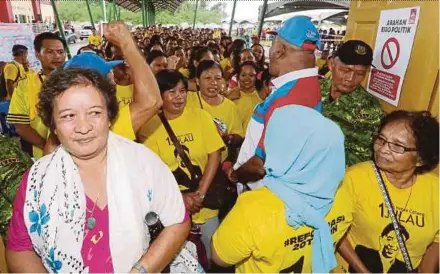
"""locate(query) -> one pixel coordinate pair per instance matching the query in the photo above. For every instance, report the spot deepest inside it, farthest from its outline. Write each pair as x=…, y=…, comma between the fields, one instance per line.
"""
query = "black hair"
x=237, y=47
x=153, y=55
x=62, y=79
x=80, y=50
x=207, y=64
x=196, y=55
x=38, y=41
x=18, y=50
x=151, y=44
x=108, y=50
x=155, y=39
x=390, y=228
x=425, y=129
x=264, y=80
x=260, y=63
x=168, y=79
x=214, y=47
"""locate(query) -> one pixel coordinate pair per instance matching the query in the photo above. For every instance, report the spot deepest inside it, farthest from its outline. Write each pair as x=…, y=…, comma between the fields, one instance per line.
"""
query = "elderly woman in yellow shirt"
x=406, y=150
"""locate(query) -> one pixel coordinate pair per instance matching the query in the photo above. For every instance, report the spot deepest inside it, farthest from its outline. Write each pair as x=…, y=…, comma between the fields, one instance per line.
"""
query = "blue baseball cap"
x=300, y=31
x=90, y=60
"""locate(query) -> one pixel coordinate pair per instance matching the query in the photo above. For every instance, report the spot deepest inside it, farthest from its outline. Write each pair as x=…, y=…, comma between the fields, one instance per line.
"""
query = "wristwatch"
x=140, y=268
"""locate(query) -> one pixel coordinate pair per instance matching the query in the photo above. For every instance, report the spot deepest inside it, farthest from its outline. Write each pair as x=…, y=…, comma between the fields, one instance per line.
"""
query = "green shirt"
x=13, y=164
x=358, y=114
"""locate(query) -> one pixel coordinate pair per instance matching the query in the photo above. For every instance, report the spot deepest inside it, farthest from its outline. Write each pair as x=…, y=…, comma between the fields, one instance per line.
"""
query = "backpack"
x=3, y=90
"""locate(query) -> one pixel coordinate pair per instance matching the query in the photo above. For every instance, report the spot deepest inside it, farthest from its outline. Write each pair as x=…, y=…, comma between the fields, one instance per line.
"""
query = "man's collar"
x=294, y=75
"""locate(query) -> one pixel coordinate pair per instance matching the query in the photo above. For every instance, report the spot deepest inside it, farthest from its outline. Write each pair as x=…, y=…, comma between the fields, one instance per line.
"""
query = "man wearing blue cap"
x=292, y=62
x=146, y=97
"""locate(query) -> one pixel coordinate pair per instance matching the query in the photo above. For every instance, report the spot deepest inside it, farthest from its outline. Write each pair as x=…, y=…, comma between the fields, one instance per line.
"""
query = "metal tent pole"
x=147, y=12
x=115, y=15
x=232, y=18
x=195, y=14
x=142, y=12
x=90, y=14
x=110, y=15
x=104, y=12
x=151, y=13
x=60, y=28
x=261, y=22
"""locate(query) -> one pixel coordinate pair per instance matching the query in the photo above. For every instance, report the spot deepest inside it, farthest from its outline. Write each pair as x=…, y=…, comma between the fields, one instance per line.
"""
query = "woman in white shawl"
x=82, y=207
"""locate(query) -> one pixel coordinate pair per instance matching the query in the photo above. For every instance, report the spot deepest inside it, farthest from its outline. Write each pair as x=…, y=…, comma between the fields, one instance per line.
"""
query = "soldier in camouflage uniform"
x=357, y=112
x=13, y=164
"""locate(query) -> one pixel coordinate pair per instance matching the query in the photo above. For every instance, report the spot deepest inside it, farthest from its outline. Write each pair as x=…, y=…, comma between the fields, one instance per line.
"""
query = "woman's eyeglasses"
x=380, y=141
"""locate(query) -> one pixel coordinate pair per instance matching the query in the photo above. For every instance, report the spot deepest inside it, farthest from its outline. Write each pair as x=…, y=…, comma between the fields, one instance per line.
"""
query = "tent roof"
x=245, y=22
x=282, y=7
x=228, y=21
x=338, y=18
x=135, y=5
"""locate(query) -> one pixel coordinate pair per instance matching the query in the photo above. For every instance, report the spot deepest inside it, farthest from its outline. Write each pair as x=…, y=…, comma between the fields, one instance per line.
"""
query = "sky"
x=245, y=10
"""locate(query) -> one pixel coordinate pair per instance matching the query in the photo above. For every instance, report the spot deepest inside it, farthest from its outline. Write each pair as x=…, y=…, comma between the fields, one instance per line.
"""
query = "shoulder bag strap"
x=179, y=147
x=393, y=218
x=200, y=100
x=41, y=77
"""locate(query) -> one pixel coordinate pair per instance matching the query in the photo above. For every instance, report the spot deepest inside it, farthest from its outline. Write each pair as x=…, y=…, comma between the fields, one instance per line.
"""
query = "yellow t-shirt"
x=256, y=237
x=124, y=94
x=226, y=62
x=22, y=109
x=372, y=234
x=198, y=135
x=184, y=72
x=13, y=71
x=225, y=115
x=328, y=75
x=95, y=40
x=123, y=125
x=320, y=63
x=30, y=71
x=245, y=105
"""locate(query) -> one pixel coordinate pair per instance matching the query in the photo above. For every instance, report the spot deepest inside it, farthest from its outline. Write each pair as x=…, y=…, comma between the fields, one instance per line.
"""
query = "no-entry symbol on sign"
x=390, y=53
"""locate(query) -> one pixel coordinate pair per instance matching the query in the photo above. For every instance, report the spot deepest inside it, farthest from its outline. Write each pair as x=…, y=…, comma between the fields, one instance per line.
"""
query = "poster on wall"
x=392, y=52
x=12, y=34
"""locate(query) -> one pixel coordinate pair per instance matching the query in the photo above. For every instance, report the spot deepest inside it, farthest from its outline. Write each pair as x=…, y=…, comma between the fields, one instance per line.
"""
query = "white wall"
x=22, y=8
x=47, y=12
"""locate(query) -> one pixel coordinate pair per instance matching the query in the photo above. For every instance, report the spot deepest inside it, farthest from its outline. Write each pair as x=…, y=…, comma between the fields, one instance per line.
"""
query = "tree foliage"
x=76, y=11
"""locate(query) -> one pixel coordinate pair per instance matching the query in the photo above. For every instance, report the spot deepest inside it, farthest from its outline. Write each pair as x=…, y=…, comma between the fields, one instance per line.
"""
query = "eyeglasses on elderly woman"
x=394, y=147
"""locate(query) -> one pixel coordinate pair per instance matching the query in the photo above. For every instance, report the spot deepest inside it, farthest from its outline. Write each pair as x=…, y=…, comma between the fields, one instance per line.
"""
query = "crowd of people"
x=250, y=166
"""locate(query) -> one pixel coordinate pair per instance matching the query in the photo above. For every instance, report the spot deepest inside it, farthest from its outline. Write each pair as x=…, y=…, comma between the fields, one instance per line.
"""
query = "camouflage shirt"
x=358, y=114
x=13, y=164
